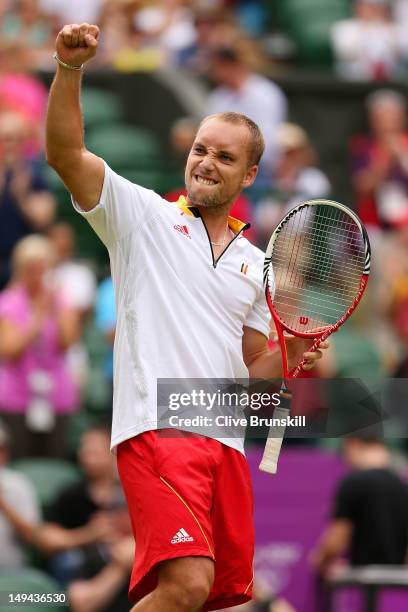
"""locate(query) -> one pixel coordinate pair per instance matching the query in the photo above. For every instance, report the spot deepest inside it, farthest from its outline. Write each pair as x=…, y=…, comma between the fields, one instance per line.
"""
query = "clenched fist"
x=76, y=44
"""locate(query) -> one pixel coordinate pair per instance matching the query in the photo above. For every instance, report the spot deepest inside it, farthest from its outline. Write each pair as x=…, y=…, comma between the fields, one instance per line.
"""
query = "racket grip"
x=295, y=372
x=276, y=434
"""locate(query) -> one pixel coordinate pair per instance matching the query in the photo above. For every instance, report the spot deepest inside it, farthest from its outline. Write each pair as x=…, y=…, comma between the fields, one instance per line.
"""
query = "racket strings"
x=318, y=259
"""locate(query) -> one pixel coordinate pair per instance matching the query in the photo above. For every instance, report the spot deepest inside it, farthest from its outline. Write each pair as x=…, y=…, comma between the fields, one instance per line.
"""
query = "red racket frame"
x=322, y=335
x=318, y=337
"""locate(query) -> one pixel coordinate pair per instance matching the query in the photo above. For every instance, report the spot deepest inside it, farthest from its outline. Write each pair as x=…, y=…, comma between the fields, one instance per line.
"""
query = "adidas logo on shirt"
x=181, y=536
x=183, y=229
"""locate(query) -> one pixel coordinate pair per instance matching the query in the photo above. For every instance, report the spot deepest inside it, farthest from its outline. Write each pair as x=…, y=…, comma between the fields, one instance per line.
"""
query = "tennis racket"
x=315, y=272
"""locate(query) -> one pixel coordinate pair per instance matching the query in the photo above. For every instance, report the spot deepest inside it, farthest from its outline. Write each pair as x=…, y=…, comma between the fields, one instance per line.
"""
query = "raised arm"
x=81, y=171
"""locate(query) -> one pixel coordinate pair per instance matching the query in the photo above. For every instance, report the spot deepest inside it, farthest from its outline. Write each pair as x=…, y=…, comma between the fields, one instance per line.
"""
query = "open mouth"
x=205, y=180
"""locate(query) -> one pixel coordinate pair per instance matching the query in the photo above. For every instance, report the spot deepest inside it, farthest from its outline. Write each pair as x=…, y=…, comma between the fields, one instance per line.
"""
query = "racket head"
x=316, y=268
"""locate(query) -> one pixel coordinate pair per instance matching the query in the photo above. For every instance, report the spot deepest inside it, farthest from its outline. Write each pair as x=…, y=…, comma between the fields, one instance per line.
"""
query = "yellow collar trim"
x=183, y=205
x=235, y=224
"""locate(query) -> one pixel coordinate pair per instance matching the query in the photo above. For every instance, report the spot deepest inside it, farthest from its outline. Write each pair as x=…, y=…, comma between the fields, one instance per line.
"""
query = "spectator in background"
x=78, y=519
x=102, y=586
x=167, y=25
x=214, y=27
x=75, y=280
x=4, y=8
x=74, y=11
x=123, y=46
x=181, y=138
x=91, y=529
x=370, y=515
x=380, y=161
x=390, y=326
x=26, y=96
x=105, y=320
x=296, y=178
x=15, y=492
x=368, y=46
x=399, y=291
x=26, y=26
x=252, y=16
x=182, y=134
x=242, y=90
x=36, y=328
x=394, y=309
x=26, y=206
x=400, y=13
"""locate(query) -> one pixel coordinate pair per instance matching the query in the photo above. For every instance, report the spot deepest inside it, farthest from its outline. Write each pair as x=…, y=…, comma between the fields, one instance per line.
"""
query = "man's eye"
x=198, y=150
x=226, y=157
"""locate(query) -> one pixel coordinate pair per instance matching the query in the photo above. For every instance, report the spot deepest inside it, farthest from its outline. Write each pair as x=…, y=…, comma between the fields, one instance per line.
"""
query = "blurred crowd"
x=136, y=34
x=57, y=308
x=365, y=37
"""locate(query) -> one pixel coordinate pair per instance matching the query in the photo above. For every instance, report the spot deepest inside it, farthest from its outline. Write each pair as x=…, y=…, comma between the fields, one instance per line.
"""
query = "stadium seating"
x=125, y=146
x=97, y=392
x=308, y=22
x=100, y=107
x=48, y=476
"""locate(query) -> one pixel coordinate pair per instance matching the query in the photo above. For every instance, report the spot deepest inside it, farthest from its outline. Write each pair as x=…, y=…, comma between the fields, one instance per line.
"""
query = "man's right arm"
x=82, y=171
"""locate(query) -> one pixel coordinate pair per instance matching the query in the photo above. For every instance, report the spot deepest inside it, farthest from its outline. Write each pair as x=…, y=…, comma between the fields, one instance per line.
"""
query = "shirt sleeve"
x=122, y=208
x=259, y=316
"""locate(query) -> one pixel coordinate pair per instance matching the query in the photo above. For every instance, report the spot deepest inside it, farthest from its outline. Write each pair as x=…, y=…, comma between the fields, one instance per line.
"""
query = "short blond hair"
x=256, y=144
x=32, y=248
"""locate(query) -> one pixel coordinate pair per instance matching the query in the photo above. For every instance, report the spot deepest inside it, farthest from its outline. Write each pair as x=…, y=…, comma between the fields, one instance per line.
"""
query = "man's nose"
x=207, y=162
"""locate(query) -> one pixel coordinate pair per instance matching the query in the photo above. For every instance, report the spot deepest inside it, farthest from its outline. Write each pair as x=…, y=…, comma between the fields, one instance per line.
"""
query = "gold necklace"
x=221, y=244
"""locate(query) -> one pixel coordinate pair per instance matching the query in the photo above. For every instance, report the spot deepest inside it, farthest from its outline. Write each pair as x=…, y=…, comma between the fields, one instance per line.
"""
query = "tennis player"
x=190, y=304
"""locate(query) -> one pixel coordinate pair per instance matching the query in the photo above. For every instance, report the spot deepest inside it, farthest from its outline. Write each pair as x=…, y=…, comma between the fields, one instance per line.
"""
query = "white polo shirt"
x=180, y=315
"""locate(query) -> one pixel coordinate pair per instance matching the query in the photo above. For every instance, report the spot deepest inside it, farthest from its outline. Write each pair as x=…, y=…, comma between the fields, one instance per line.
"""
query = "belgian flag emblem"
x=244, y=268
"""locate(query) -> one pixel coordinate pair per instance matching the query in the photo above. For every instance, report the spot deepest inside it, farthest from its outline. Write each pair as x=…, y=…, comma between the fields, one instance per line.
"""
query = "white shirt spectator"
x=73, y=11
x=77, y=283
x=172, y=30
x=260, y=100
x=311, y=183
x=18, y=493
x=365, y=50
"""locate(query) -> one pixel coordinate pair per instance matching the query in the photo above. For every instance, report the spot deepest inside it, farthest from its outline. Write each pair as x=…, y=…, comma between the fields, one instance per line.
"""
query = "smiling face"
x=218, y=166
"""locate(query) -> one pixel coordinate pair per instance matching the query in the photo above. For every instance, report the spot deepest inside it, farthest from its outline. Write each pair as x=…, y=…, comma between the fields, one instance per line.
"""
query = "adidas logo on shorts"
x=181, y=536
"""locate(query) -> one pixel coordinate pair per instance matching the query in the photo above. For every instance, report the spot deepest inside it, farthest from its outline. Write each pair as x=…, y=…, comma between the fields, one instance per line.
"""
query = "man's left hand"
x=297, y=349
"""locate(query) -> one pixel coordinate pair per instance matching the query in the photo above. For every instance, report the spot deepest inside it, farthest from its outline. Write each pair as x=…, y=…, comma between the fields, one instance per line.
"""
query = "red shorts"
x=189, y=496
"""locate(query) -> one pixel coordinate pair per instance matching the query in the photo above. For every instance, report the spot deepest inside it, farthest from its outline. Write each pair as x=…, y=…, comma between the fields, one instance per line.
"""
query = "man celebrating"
x=185, y=310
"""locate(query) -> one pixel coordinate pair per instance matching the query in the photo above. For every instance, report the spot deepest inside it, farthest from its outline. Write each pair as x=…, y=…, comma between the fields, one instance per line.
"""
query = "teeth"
x=204, y=181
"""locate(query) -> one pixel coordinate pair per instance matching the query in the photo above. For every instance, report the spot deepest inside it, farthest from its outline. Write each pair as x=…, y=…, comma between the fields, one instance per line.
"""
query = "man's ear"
x=250, y=176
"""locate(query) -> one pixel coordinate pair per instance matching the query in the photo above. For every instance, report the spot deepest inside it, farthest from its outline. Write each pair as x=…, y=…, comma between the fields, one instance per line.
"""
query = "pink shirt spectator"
x=44, y=356
x=27, y=96
x=23, y=93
